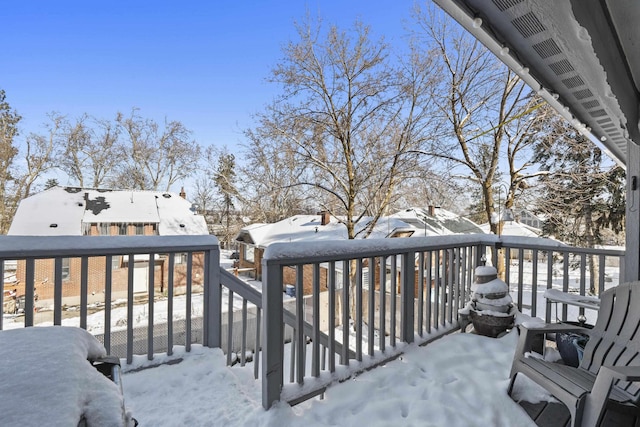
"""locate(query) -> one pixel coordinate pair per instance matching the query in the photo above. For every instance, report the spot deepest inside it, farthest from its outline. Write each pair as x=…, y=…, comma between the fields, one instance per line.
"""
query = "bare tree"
x=269, y=178
x=155, y=157
x=90, y=147
x=26, y=166
x=350, y=117
x=490, y=113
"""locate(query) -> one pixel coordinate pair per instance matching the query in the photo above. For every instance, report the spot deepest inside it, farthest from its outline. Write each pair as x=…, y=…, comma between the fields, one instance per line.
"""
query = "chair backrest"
x=615, y=338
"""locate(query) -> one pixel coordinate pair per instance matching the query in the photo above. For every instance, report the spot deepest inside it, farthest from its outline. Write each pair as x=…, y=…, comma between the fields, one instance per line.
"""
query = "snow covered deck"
x=404, y=291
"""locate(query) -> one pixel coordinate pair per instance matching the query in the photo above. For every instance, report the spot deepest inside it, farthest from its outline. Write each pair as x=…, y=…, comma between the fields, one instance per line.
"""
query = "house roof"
x=309, y=228
x=579, y=55
x=514, y=228
x=63, y=211
x=442, y=222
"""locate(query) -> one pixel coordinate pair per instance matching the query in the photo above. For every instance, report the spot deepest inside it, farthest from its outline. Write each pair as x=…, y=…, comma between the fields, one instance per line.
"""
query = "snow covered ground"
x=459, y=380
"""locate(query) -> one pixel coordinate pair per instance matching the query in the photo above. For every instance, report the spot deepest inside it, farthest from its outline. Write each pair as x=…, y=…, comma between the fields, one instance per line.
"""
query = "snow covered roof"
x=442, y=222
x=514, y=228
x=62, y=211
x=309, y=227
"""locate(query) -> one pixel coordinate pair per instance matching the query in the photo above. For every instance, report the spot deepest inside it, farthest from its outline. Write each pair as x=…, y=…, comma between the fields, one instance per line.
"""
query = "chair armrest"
x=595, y=401
x=555, y=327
x=527, y=334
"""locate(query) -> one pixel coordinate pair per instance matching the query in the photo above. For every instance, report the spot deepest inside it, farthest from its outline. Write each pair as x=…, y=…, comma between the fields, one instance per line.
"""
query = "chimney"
x=182, y=193
x=432, y=210
x=324, y=217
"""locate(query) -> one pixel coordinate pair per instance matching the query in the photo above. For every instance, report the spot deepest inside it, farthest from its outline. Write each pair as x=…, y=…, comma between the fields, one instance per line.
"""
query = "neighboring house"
x=435, y=221
x=254, y=239
x=526, y=217
x=72, y=211
x=514, y=228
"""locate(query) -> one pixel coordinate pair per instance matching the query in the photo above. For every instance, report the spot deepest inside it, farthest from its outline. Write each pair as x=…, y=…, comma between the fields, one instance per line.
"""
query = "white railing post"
x=272, y=344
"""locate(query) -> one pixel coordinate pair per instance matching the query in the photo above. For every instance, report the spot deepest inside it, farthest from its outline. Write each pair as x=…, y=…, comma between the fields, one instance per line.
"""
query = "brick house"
x=76, y=211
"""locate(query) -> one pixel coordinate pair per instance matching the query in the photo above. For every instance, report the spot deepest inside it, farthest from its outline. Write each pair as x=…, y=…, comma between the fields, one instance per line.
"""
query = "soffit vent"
x=561, y=67
x=591, y=104
x=506, y=4
x=573, y=82
x=598, y=113
x=528, y=25
x=582, y=94
x=547, y=48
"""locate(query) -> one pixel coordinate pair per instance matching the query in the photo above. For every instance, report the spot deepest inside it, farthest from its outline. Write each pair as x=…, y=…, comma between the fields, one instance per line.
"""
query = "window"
x=139, y=229
x=249, y=253
x=105, y=229
x=181, y=258
x=66, y=268
x=122, y=229
x=115, y=262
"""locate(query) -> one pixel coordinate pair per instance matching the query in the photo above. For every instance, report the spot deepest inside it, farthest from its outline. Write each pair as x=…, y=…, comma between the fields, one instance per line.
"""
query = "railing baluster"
x=346, y=284
x=188, y=298
x=549, y=284
x=382, y=298
x=130, y=267
x=394, y=287
x=601, y=270
x=358, y=319
x=170, y=296
x=429, y=284
x=256, y=353
x=152, y=267
x=436, y=288
x=565, y=282
x=57, y=291
x=534, y=284
x=301, y=338
x=108, y=282
x=371, y=327
x=520, y=275
x=243, y=346
x=420, y=292
x=229, y=327
x=28, y=292
x=315, y=299
x=331, y=289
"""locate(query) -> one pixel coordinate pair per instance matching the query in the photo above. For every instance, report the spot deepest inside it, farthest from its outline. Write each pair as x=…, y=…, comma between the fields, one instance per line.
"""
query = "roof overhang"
x=579, y=55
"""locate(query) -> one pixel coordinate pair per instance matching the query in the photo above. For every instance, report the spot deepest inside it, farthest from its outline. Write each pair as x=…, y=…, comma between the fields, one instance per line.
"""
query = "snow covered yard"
x=459, y=380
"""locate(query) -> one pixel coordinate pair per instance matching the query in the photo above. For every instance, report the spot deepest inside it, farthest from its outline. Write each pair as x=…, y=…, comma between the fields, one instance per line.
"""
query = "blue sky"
x=203, y=63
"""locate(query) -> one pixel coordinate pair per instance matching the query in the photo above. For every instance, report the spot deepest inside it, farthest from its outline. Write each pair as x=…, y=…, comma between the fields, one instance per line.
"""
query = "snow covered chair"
x=608, y=376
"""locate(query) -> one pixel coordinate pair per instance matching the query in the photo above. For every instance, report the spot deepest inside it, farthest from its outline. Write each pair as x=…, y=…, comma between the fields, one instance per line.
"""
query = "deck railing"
x=71, y=280
x=374, y=297
x=324, y=311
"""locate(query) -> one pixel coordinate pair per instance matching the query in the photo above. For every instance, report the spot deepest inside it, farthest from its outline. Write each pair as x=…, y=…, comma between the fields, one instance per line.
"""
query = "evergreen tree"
x=582, y=194
x=224, y=178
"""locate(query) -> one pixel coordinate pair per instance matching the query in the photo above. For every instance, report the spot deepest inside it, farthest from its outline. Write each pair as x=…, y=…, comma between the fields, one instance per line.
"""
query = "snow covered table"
x=584, y=301
x=46, y=379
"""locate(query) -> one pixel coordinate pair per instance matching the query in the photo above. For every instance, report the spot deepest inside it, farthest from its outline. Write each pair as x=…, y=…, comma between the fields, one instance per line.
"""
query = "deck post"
x=212, y=299
x=407, y=297
x=272, y=344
